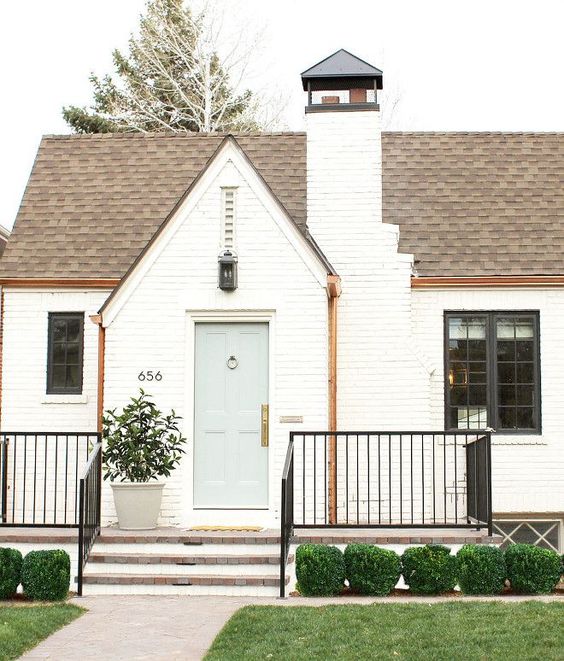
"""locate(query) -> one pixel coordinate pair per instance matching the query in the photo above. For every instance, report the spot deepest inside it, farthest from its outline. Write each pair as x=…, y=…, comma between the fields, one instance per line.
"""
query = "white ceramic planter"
x=137, y=504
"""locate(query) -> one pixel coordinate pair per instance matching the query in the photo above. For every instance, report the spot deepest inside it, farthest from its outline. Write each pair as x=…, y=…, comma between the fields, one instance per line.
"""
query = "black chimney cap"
x=341, y=65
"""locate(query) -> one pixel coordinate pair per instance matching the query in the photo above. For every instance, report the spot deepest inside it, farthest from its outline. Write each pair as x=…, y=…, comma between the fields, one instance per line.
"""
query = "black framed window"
x=492, y=371
x=64, y=352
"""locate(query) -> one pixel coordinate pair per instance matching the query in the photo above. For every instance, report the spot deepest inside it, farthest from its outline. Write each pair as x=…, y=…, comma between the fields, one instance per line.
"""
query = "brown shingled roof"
x=467, y=203
x=94, y=201
x=472, y=204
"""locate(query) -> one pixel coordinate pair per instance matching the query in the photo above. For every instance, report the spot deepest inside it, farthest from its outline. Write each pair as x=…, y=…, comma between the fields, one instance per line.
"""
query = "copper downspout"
x=1, y=349
x=97, y=319
x=334, y=291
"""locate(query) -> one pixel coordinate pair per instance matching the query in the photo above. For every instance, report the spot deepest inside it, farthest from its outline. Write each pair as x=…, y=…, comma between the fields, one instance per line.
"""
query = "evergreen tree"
x=172, y=79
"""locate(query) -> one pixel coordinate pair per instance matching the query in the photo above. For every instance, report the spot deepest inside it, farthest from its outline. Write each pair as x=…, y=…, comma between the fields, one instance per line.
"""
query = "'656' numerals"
x=149, y=375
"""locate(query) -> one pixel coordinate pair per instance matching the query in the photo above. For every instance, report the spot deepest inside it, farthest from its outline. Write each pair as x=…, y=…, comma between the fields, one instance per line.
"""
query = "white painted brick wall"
x=528, y=471
x=27, y=408
x=150, y=331
x=24, y=375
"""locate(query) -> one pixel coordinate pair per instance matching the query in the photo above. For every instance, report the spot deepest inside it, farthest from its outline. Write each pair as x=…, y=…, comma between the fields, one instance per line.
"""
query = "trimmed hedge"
x=531, y=569
x=320, y=570
x=481, y=569
x=10, y=572
x=46, y=575
x=429, y=569
x=371, y=570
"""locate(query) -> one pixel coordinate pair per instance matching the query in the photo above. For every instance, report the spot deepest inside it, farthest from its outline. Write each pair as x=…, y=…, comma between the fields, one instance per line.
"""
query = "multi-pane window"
x=492, y=368
x=64, y=352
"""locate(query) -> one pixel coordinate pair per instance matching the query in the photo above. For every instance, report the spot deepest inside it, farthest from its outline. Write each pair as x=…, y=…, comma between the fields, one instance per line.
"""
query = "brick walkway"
x=116, y=628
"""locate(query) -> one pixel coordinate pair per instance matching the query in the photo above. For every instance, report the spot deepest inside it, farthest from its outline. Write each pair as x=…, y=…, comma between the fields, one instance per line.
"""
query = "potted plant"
x=141, y=445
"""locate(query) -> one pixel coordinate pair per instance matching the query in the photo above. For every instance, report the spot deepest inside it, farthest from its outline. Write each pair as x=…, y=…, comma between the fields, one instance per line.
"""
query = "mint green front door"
x=230, y=385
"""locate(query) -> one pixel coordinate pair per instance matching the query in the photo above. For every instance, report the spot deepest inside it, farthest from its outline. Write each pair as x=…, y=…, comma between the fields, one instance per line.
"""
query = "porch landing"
x=187, y=537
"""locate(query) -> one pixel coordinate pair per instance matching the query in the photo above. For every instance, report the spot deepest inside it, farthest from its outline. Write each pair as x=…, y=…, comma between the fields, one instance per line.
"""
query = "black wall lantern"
x=227, y=262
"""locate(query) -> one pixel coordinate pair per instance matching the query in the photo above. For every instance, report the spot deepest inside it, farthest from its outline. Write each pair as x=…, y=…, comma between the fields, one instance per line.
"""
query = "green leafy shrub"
x=46, y=575
x=371, y=570
x=320, y=570
x=429, y=569
x=142, y=444
x=10, y=572
x=531, y=569
x=481, y=569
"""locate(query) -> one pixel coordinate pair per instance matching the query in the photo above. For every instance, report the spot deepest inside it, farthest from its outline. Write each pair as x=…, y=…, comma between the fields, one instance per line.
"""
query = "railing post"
x=283, y=540
x=4, y=479
x=80, y=536
x=489, y=483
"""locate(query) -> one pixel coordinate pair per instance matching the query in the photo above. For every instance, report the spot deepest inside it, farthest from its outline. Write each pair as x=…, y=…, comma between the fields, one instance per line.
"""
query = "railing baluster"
x=368, y=477
x=24, y=476
x=455, y=482
x=357, y=485
x=390, y=479
x=422, y=479
x=347, y=479
x=34, y=473
x=401, y=478
x=434, y=485
x=326, y=504
x=379, y=485
x=411, y=471
x=14, y=483
x=445, y=478
x=314, y=480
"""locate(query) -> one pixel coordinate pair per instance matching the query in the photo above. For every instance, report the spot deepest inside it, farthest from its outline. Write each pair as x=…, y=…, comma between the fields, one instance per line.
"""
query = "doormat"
x=227, y=528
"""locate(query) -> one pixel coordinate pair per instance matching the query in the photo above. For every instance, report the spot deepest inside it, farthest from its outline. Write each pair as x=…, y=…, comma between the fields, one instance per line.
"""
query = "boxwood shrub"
x=320, y=570
x=531, y=569
x=371, y=570
x=429, y=569
x=46, y=575
x=10, y=572
x=481, y=569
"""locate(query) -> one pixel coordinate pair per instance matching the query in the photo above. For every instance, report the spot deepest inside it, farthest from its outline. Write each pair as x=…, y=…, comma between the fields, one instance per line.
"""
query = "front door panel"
x=231, y=383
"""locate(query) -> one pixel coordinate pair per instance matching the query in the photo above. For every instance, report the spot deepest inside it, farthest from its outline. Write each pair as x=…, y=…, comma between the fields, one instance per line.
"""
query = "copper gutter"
x=96, y=283
x=421, y=282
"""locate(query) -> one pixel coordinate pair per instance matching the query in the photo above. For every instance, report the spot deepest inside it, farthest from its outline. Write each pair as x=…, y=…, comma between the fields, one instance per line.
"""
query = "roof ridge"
x=473, y=133
x=167, y=134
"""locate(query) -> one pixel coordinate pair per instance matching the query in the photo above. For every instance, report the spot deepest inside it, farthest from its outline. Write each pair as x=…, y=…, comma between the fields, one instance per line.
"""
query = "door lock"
x=264, y=425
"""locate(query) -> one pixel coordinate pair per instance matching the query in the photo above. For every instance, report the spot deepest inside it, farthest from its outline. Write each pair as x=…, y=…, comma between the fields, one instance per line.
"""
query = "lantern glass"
x=227, y=271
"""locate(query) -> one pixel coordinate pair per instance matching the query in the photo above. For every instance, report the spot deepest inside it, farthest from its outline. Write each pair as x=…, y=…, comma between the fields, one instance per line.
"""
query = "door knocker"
x=232, y=362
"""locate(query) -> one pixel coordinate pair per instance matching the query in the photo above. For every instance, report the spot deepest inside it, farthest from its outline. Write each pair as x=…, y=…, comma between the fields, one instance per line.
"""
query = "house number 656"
x=149, y=375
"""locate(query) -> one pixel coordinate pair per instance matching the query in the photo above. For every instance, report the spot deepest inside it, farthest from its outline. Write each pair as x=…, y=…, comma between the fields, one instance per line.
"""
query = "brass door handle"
x=264, y=425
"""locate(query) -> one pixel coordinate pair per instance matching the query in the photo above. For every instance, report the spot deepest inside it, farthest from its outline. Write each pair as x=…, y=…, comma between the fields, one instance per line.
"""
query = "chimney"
x=344, y=163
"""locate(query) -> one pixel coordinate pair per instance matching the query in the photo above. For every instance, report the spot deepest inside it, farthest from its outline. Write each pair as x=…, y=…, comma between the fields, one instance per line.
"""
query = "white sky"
x=455, y=65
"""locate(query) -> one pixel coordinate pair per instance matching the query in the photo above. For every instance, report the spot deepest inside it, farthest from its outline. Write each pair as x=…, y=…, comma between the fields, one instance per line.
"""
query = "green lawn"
x=22, y=627
x=454, y=630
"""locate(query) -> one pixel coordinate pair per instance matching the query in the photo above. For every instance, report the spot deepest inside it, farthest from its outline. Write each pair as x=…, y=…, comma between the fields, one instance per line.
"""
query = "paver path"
x=160, y=627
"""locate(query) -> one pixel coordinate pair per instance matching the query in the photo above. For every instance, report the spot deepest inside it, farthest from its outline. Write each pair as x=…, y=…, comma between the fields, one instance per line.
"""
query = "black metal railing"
x=40, y=477
x=90, y=494
x=478, y=480
x=286, y=513
x=385, y=479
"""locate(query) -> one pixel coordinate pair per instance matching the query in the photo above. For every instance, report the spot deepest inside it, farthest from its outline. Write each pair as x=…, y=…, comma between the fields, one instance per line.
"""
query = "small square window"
x=64, y=353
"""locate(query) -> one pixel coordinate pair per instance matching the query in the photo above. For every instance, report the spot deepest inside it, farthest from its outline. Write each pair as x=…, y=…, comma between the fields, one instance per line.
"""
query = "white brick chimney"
x=344, y=155
x=344, y=182
x=377, y=369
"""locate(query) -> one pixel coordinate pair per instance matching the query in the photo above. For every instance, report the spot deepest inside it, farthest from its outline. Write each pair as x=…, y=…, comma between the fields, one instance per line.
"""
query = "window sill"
x=65, y=399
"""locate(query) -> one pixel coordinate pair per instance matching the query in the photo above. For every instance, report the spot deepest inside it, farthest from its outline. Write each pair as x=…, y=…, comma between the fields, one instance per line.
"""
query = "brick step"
x=182, y=580
x=186, y=538
x=164, y=559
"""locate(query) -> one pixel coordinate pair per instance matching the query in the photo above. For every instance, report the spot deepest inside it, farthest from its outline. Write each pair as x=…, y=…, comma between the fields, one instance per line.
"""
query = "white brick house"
x=398, y=278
